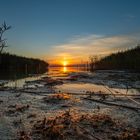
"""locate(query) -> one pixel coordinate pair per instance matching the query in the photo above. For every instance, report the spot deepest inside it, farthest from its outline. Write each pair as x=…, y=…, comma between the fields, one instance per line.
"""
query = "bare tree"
x=93, y=60
x=3, y=28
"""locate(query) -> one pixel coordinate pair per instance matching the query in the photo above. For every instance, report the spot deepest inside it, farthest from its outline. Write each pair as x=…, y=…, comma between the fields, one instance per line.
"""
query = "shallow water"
x=84, y=87
x=58, y=72
x=95, y=83
x=87, y=84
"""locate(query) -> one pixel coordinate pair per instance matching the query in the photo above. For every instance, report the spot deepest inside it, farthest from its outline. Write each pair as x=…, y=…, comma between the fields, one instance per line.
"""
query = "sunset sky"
x=70, y=31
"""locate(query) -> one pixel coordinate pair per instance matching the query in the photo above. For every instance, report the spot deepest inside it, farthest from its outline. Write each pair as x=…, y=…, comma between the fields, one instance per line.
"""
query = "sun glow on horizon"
x=65, y=63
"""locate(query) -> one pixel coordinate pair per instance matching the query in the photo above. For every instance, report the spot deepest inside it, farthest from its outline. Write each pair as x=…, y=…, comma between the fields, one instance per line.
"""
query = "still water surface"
x=52, y=72
x=74, y=86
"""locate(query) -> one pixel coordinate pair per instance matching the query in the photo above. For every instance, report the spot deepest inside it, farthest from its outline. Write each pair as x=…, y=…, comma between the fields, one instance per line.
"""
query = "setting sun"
x=65, y=63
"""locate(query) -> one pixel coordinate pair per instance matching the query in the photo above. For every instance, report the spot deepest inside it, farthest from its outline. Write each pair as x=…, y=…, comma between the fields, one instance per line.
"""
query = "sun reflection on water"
x=65, y=69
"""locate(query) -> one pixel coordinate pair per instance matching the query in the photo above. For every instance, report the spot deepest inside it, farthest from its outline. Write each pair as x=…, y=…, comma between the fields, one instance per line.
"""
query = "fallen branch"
x=98, y=94
x=95, y=137
x=111, y=91
x=126, y=95
x=129, y=97
x=34, y=92
x=113, y=104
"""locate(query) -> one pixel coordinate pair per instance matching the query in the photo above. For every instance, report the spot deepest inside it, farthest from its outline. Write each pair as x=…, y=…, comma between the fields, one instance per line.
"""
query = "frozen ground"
x=78, y=92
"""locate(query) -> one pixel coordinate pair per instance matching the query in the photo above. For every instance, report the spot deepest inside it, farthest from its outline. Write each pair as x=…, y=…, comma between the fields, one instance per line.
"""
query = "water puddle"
x=90, y=87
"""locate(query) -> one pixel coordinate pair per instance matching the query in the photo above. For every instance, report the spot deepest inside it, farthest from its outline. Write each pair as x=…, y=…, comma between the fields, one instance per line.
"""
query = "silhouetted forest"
x=124, y=60
x=17, y=66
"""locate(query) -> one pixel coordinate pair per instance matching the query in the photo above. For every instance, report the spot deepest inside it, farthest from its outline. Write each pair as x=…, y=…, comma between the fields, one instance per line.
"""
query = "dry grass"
x=16, y=108
x=72, y=126
x=56, y=98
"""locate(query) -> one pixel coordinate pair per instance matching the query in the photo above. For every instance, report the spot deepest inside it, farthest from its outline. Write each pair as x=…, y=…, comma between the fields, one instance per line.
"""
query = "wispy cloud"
x=130, y=16
x=81, y=47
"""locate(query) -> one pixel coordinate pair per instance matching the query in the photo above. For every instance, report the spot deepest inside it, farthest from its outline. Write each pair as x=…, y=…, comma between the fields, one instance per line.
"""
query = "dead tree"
x=4, y=27
x=93, y=60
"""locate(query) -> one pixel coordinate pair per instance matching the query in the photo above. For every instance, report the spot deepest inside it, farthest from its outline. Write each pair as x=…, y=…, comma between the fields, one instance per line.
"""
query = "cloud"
x=130, y=16
x=81, y=47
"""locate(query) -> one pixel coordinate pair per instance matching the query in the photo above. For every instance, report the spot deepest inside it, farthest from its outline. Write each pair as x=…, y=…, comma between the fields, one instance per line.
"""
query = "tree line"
x=13, y=66
x=123, y=60
x=16, y=66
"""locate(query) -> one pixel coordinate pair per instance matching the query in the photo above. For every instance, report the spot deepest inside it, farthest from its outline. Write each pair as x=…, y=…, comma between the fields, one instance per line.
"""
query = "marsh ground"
x=99, y=105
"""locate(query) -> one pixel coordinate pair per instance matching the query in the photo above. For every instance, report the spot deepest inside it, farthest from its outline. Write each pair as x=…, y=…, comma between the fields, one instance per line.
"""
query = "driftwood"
x=113, y=104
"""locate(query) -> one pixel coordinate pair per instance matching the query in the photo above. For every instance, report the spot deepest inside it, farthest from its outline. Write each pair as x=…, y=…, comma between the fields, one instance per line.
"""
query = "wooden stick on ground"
x=126, y=95
x=113, y=104
x=98, y=94
x=95, y=137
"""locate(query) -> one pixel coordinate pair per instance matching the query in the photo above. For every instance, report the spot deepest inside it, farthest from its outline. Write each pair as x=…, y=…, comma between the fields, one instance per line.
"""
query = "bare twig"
x=126, y=95
x=95, y=137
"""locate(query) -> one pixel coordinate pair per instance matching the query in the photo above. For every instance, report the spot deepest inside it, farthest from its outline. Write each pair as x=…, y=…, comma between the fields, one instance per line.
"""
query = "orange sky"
x=78, y=50
x=66, y=61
